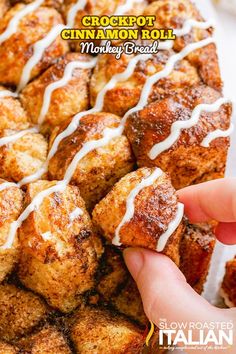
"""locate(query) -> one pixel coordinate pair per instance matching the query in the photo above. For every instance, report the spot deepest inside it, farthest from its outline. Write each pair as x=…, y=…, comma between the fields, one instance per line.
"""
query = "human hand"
x=163, y=288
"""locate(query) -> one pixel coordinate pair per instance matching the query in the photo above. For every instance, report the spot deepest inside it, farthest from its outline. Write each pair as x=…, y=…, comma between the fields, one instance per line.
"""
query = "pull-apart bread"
x=92, y=151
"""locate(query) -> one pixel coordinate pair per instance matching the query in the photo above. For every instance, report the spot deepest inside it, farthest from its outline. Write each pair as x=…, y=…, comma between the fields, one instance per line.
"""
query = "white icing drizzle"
x=145, y=182
x=75, y=213
x=6, y=185
x=67, y=76
x=108, y=133
x=163, y=239
x=46, y=236
x=79, y=5
x=14, y=22
x=7, y=93
x=76, y=119
x=190, y=23
x=177, y=126
x=127, y=6
x=34, y=205
x=38, y=48
x=165, y=72
x=218, y=133
x=11, y=138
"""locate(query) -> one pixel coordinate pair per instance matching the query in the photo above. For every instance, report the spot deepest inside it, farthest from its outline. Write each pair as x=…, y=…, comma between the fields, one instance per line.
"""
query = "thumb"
x=165, y=292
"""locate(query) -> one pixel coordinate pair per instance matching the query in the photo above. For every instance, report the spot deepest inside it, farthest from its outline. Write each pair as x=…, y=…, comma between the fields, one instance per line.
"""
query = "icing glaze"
x=130, y=207
x=14, y=137
x=177, y=126
x=14, y=22
x=163, y=239
x=38, y=51
x=67, y=76
x=218, y=133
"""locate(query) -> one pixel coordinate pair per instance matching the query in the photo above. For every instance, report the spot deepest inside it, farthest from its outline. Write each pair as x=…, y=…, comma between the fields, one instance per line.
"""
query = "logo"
x=195, y=335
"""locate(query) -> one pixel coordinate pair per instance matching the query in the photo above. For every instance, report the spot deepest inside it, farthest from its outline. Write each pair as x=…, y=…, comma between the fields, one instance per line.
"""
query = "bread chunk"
x=185, y=160
x=154, y=208
x=16, y=50
x=94, y=329
x=6, y=348
x=23, y=156
x=101, y=167
x=196, y=250
x=12, y=113
x=11, y=204
x=58, y=251
x=126, y=94
x=174, y=14
x=65, y=101
x=20, y=312
x=46, y=341
x=228, y=287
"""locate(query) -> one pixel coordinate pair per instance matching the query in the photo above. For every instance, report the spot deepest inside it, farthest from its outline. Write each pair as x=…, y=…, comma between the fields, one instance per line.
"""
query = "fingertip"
x=226, y=233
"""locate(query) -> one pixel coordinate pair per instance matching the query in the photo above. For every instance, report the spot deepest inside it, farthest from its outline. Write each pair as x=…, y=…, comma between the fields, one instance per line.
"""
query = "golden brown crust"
x=4, y=6
x=65, y=101
x=128, y=301
x=17, y=49
x=173, y=14
x=6, y=348
x=22, y=157
x=20, y=312
x=186, y=161
x=12, y=114
x=155, y=208
x=56, y=4
x=196, y=250
x=126, y=94
x=47, y=341
x=228, y=286
x=11, y=204
x=97, y=172
x=112, y=274
x=58, y=258
x=96, y=329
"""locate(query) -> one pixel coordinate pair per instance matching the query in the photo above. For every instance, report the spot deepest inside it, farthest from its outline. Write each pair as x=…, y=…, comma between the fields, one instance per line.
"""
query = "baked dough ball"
x=4, y=6
x=173, y=14
x=94, y=329
x=126, y=94
x=228, y=287
x=12, y=114
x=18, y=48
x=65, y=101
x=46, y=341
x=186, y=160
x=20, y=312
x=58, y=253
x=99, y=169
x=196, y=250
x=6, y=348
x=11, y=203
x=112, y=274
x=147, y=218
x=56, y=4
x=22, y=157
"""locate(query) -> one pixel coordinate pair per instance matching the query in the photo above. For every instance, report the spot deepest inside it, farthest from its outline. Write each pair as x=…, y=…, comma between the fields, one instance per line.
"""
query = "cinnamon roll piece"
x=157, y=141
x=59, y=251
x=142, y=210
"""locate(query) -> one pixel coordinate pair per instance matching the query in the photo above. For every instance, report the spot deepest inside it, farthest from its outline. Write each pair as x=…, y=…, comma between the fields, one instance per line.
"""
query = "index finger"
x=213, y=200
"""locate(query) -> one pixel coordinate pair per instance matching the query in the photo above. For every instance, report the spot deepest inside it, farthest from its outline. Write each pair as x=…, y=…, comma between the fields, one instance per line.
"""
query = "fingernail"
x=134, y=260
